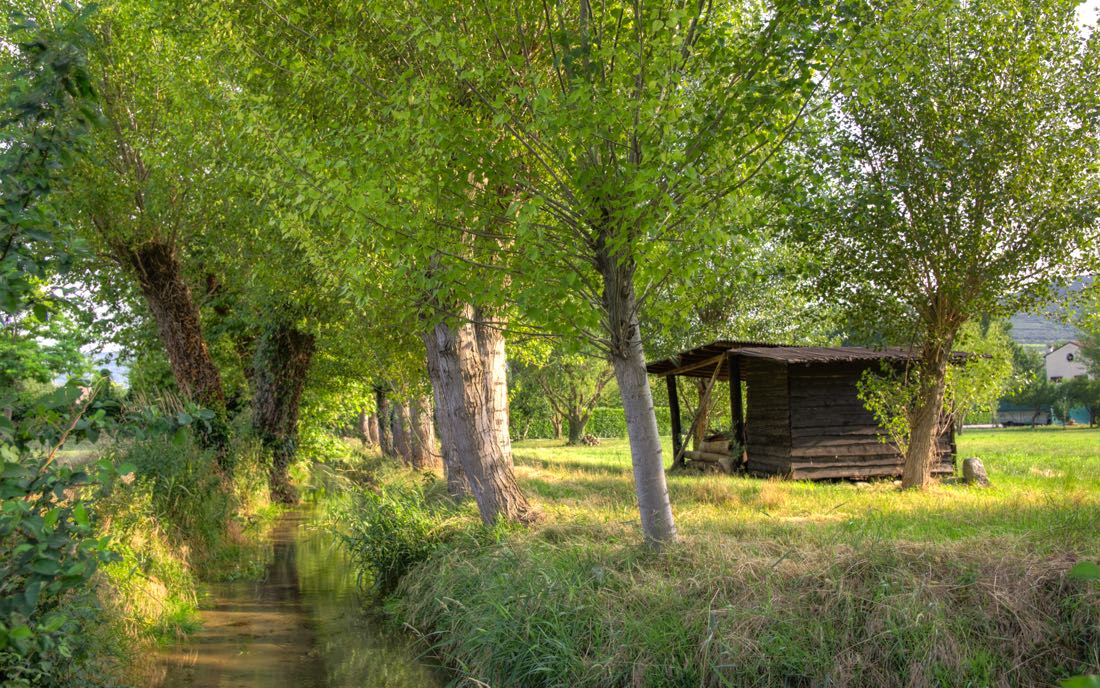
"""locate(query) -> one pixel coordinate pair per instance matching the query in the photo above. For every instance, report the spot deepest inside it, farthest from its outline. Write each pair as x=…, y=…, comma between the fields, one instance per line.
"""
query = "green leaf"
x=1090, y=681
x=1085, y=570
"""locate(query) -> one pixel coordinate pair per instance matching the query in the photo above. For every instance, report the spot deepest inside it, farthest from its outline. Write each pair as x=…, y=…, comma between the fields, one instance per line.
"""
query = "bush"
x=49, y=554
x=393, y=529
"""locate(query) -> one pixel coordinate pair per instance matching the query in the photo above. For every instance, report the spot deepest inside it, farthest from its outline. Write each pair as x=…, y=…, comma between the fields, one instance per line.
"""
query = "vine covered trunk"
x=281, y=363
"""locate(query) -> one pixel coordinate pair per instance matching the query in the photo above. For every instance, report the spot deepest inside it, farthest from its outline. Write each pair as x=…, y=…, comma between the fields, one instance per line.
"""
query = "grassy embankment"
x=173, y=523
x=773, y=583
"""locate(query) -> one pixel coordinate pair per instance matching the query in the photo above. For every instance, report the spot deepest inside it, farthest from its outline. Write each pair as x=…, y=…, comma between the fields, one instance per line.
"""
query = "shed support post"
x=674, y=417
x=737, y=412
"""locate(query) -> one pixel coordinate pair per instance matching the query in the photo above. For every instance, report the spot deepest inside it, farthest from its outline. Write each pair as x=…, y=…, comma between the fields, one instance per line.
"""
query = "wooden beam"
x=737, y=412
x=674, y=416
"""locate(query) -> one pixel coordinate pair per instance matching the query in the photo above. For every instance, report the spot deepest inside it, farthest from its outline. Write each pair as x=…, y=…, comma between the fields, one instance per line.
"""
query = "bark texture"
x=281, y=363
x=470, y=425
x=494, y=363
x=925, y=424
x=423, y=454
x=628, y=359
x=385, y=436
x=160, y=276
x=399, y=425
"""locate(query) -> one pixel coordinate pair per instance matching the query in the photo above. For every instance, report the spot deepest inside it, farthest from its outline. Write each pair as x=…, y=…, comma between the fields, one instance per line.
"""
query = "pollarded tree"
x=960, y=170
x=147, y=186
x=633, y=126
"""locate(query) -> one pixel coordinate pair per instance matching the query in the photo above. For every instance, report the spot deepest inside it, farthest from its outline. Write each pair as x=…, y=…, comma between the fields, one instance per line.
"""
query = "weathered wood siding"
x=767, y=416
x=832, y=435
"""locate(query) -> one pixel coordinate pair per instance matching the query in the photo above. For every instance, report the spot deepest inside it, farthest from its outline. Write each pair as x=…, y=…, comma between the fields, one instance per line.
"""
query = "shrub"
x=49, y=553
x=391, y=530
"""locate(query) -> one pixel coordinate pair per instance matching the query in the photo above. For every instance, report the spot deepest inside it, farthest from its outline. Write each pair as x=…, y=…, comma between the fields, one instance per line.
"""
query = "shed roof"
x=700, y=357
x=700, y=361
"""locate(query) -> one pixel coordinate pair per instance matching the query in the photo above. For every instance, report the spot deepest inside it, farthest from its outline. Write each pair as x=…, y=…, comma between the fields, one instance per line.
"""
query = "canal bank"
x=302, y=624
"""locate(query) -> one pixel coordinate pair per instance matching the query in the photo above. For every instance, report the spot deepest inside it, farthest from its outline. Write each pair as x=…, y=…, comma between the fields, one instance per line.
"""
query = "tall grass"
x=773, y=583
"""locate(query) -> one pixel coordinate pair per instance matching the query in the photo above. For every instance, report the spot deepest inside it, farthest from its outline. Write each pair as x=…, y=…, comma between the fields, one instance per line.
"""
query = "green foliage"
x=604, y=421
x=50, y=550
x=392, y=529
x=47, y=107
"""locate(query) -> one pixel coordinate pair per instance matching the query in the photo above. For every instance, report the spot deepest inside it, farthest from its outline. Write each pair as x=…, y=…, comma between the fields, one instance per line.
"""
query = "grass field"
x=775, y=583
x=1046, y=489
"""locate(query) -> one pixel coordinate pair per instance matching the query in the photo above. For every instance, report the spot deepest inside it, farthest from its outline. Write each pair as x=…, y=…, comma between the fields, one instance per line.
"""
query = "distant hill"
x=1040, y=330
x=1036, y=330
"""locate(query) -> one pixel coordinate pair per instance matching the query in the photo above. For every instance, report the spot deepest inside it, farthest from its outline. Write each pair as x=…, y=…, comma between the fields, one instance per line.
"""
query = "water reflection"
x=301, y=626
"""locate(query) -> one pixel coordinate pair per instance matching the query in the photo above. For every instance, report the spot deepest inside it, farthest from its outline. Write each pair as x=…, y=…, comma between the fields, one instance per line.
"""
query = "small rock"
x=974, y=472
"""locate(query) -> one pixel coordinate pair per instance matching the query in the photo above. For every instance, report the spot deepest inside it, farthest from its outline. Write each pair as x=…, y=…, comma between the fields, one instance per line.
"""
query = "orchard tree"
x=960, y=172
x=573, y=384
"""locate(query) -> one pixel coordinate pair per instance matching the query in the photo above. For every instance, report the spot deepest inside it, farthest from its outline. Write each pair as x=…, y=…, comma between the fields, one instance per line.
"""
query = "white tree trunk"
x=494, y=361
x=628, y=359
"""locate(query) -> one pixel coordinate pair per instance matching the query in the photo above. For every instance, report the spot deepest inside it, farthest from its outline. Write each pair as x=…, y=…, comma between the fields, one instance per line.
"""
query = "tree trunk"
x=385, y=436
x=400, y=429
x=179, y=329
x=421, y=435
x=160, y=276
x=494, y=363
x=628, y=359
x=281, y=363
x=556, y=421
x=925, y=424
x=363, y=428
x=470, y=426
x=372, y=429
x=704, y=415
x=577, y=422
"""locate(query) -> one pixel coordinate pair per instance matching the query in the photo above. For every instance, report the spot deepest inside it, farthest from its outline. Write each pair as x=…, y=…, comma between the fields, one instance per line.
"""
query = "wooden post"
x=674, y=416
x=733, y=365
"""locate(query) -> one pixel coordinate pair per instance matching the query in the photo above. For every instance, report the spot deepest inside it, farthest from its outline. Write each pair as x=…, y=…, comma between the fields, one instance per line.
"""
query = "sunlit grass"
x=1046, y=490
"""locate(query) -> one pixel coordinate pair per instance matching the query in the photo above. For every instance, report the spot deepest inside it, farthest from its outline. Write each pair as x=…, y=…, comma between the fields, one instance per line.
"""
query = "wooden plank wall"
x=767, y=416
x=807, y=422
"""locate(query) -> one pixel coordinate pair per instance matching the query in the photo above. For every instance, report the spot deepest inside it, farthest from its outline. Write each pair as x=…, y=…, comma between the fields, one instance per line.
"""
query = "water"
x=301, y=626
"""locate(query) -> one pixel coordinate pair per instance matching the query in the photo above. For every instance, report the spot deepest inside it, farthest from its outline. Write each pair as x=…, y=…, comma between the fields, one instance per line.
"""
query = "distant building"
x=1065, y=362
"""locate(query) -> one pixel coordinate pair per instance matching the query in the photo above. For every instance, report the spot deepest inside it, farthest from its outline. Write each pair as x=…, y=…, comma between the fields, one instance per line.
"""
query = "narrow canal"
x=302, y=625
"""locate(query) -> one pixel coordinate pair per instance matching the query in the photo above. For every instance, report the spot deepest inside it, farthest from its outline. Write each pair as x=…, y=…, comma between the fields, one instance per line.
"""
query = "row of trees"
x=298, y=203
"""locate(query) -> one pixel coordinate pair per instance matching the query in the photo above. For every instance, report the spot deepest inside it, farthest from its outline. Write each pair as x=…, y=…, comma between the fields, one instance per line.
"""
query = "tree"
x=958, y=173
x=146, y=189
x=976, y=384
x=573, y=384
x=1084, y=392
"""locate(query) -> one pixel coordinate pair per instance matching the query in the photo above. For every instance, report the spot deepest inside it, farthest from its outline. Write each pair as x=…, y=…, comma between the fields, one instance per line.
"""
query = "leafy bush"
x=49, y=553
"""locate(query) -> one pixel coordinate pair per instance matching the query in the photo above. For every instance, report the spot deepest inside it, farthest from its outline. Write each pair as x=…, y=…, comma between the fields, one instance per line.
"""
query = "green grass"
x=773, y=583
x=1046, y=490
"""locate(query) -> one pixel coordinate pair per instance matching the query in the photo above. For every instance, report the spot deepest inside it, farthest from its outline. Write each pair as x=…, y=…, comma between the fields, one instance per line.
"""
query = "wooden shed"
x=799, y=416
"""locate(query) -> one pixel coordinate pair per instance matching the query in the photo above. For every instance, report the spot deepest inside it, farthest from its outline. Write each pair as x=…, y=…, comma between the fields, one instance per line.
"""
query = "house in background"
x=1065, y=362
